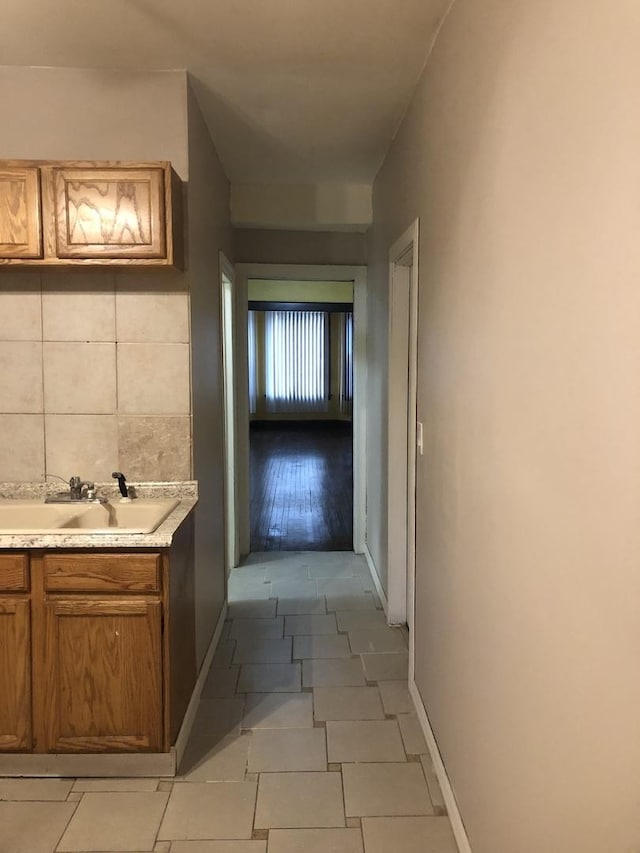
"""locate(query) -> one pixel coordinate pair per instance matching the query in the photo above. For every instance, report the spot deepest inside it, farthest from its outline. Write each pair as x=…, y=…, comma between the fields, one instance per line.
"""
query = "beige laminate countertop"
x=161, y=537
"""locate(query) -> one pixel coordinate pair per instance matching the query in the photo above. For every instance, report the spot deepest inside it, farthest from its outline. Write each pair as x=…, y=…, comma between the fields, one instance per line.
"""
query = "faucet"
x=76, y=485
x=79, y=490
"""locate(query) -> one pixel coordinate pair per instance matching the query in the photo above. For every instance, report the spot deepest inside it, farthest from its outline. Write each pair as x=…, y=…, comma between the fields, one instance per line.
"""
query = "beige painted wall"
x=520, y=156
x=95, y=371
x=131, y=363
x=258, y=246
x=315, y=207
x=209, y=233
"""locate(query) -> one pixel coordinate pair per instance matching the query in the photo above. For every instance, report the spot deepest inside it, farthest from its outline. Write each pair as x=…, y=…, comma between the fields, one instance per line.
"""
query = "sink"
x=31, y=517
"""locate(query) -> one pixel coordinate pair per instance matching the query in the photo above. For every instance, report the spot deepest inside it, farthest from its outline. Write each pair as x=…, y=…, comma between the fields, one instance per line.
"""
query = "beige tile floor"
x=305, y=741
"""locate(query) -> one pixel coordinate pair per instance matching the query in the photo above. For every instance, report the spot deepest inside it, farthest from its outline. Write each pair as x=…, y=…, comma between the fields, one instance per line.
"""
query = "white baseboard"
x=453, y=811
x=376, y=580
x=192, y=708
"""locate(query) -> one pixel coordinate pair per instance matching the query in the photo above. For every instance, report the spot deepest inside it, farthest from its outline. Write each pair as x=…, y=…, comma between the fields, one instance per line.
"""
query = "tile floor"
x=305, y=740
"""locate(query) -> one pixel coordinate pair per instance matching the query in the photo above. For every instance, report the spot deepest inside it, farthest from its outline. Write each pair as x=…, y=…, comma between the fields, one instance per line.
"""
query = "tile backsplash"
x=94, y=375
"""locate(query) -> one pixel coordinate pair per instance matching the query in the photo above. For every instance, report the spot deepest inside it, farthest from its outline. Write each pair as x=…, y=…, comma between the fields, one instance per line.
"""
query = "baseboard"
x=106, y=766
x=194, y=702
x=455, y=818
x=375, y=578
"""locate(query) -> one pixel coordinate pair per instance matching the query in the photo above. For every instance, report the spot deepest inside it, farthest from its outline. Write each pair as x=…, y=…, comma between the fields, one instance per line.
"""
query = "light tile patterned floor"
x=305, y=741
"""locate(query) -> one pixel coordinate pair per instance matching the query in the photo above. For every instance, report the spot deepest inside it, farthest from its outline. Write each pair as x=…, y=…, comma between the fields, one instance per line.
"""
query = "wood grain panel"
x=20, y=212
x=110, y=572
x=15, y=674
x=115, y=213
x=14, y=572
x=104, y=675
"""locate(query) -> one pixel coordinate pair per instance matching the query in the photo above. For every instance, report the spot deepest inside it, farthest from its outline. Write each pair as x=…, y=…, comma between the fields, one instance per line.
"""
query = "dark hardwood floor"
x=301, y=486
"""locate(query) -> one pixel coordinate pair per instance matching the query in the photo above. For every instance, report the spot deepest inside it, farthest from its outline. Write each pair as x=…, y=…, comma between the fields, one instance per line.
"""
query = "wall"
x=317, y=207
x=519, y=154
x=94, y=367
x=299, y=247
x=101, y=371
x=209, y=233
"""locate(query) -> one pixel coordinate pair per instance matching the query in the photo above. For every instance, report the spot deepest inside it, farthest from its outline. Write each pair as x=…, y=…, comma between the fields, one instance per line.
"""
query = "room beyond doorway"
x=301, y=486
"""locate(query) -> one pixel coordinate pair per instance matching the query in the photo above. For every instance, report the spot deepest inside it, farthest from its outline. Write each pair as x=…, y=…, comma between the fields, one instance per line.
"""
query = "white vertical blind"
x=295, y=349
x=346, y=363
x=253, y=363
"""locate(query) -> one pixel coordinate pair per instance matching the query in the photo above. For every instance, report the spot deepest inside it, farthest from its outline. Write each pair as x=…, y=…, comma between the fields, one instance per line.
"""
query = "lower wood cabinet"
x=97, y=649
x=15, y=673
x=103, y=675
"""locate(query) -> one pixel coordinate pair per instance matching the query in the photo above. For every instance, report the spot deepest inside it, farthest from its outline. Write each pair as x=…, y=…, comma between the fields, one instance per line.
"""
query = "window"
x=296, y=361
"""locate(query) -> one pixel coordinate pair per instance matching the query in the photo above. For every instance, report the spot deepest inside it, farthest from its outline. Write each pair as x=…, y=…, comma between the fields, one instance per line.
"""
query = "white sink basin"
x=33, y=517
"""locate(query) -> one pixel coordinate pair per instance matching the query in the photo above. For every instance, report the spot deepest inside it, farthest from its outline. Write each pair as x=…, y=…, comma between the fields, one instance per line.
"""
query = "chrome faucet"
x=79, y=490
x=76, y=485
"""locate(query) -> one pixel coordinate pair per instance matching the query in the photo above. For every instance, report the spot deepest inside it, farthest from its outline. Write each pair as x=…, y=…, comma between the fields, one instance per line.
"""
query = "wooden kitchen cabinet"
x=15, y=654
x=102, y=680
x=97, y=648
x=20, y=212
x=89, y=213
x=101, y=683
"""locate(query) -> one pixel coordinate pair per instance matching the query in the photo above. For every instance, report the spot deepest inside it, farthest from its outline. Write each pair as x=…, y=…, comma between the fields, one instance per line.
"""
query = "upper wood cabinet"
x=70, y=214
x=20, y=212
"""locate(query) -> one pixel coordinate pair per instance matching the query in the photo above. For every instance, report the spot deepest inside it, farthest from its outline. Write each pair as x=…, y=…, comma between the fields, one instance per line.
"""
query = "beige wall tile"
x=86, y=445
x=78, y=307
x=154, y=379
x=22, y=448
x=79, y=378
x=155, y=314
x=20, y=307
x=20, y=377
x=155, y=448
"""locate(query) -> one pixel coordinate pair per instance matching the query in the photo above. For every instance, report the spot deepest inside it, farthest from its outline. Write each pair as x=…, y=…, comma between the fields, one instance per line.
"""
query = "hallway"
x=305, y=739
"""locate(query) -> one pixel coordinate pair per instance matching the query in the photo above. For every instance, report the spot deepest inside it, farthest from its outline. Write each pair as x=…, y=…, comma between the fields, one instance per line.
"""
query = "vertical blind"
x=296, y=361
x=346, y=363
x=253, y=365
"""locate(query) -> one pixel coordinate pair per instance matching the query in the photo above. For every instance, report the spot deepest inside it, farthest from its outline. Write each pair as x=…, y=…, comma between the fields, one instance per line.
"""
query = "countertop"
x=162, y=536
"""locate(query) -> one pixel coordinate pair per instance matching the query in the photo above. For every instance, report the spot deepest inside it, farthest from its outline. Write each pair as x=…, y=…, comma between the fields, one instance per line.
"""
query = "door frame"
x=304, y=272
x=401, y=413
x=230, y=420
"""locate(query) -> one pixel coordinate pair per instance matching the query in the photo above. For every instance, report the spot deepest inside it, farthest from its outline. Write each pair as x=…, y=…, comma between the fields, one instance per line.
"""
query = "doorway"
x=404, y=431
x=304, y=273
x=300, y=362
x=227, y=313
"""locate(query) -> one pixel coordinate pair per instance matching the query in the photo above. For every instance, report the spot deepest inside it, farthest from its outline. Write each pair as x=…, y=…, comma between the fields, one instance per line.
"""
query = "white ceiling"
x=293, y=91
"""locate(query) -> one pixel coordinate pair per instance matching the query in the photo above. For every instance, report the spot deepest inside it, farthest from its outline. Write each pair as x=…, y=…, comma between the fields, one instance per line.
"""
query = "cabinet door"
x=110, y=213
x=20, y=212
x=15, y=674
x=103, y=675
